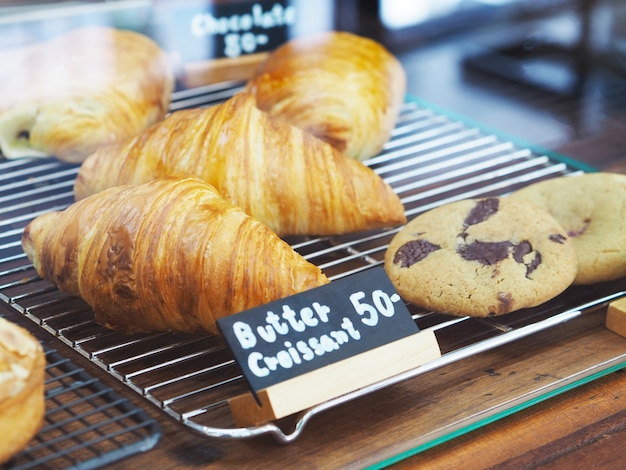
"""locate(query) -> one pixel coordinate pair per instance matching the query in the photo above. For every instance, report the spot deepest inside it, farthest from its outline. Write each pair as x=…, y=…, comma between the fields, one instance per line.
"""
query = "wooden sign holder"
x=616, y=317
x=333, y=380
x=196, y=74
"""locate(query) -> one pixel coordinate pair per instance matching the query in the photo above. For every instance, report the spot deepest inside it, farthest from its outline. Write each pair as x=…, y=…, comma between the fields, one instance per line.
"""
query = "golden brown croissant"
x=66, y=96
x=343, y=88
x=22, y=400
x=168, y=254
x=289, y=180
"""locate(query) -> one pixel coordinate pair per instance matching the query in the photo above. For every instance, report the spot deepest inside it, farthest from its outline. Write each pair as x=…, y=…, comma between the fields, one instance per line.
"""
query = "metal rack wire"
x=430, y=160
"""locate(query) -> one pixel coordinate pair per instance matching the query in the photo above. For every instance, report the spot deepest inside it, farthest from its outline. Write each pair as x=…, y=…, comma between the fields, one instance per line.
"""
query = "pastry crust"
x=171, y=254
x=67, y=96
x=22, y=401
x=343, y=88
x=291, y=181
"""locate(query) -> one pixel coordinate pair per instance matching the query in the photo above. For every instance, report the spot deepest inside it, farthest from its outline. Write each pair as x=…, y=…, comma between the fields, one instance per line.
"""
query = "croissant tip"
x=33, y=233
x=28, y=244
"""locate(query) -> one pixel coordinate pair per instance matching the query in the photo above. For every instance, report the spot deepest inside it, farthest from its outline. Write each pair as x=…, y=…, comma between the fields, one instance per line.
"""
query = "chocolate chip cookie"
x=481, y=257
x=591, y=207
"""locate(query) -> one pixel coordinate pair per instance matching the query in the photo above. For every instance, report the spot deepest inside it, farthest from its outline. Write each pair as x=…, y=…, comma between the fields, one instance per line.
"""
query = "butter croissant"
x=66, y=96
x=343, y=88
x=169, y=254
x=289, y=180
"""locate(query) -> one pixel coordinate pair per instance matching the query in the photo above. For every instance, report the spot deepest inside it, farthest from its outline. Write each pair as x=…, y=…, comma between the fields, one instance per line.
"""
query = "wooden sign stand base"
x=616, y=317
x=320, y=385
x=196, y=74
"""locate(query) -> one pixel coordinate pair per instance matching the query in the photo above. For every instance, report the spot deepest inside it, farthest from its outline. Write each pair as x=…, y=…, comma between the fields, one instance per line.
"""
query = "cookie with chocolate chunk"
x=481, y=257
x=591, y=207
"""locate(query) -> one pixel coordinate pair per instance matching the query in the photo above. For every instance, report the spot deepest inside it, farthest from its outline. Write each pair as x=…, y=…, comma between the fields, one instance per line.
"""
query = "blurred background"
x=550, y=72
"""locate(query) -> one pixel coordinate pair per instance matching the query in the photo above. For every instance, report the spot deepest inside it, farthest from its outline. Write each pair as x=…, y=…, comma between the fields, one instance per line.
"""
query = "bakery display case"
x=182, y=382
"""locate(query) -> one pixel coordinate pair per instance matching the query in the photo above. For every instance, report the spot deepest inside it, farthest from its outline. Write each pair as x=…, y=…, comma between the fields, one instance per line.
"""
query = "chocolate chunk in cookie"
x=414, y=251
x=484, y=209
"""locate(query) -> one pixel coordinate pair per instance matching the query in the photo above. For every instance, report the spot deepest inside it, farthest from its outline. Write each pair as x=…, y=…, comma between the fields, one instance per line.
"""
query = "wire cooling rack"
x=432, y=158
x=87, y=424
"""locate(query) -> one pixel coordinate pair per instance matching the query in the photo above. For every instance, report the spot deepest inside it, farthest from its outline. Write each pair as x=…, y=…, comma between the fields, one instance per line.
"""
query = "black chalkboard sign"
x=307, y=331
x=201, y=29
x=353, y=326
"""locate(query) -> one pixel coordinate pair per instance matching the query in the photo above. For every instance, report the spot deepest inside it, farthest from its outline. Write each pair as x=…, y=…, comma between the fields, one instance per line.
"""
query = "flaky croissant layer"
x=171, y=254
x=343, y=88
x=288, y=179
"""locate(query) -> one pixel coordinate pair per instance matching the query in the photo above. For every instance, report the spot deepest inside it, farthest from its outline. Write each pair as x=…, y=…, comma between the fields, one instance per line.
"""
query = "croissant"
x=343, y=88
x=289, y=180
x=66, y=96
x=22, y=388
x=171, y=254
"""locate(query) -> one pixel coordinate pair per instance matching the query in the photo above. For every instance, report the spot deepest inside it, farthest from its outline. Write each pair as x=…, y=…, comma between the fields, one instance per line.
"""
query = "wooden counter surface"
x=583, y=428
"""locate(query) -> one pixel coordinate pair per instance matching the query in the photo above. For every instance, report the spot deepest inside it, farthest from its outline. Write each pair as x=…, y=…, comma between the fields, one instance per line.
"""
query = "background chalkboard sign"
x=200, y=29
x=211, y=41
x=310, y=347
